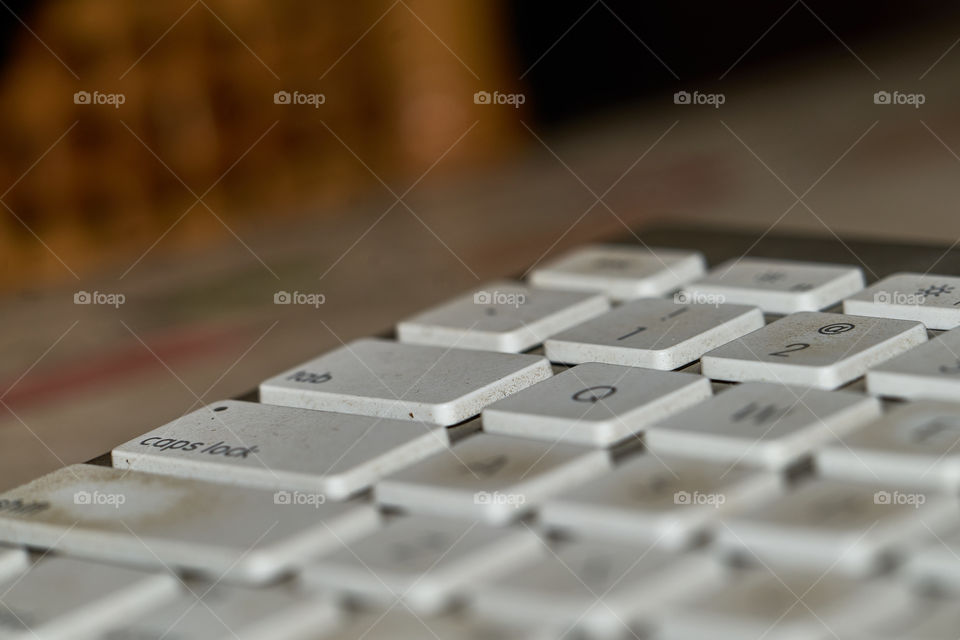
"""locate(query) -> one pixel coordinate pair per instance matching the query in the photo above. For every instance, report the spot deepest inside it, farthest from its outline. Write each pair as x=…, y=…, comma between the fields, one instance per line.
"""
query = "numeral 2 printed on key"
x=791, y=348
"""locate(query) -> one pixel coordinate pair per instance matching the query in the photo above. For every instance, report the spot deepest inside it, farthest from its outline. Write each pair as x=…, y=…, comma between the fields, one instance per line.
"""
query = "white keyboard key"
x=66, y=598
x=621, y=272
x=667, y=501
x=276, y=447
x=389, y=379
x=773, y=603
x=931, y=370
x=603, y=589
x=594, y=404
x=856, y=528
x=777, y=286
x=918, y=616
x=422, y=562
x=762, y=423
x=397, y=623
x=12, y=560
x=229, y=532
x=936, y=560
x=916, y=445
x=653, y=333
x=221, y=612
x=502, y=316
x=824, y=350
x=491, y=478
x=931, y=299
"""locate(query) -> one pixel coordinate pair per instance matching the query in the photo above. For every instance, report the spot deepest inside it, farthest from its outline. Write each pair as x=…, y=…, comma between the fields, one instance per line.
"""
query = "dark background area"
x=600, y=63
x=600, y=60
x=9, y=24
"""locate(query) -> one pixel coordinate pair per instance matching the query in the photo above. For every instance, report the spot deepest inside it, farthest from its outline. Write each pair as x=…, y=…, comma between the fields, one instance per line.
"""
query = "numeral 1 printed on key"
x=632, y=333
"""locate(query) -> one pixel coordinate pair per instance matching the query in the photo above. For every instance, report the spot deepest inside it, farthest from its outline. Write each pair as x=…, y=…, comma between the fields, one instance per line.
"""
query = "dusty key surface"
x=915, y=445
x=492, y=478
x=12, y=560
x=595, y=404
x=931, y=299
x=917, y=615
x=207, y=611
x=653, y=333
x=421, y=561
x=282, y=448
x=668, y=501
x=856, y=528
x=604, y=589
x=501, y=316
x=398, y=623
x=225, y=531
x=935, y=560
x=929, y=371
x=777, y=286
x=823, y=350
x=65, y=598
x=776, y=603
x=387, y=379
x=762, y=423
x=620, y=271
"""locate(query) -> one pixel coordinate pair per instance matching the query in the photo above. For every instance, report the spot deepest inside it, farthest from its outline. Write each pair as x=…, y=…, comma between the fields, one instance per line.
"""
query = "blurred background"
x=167, y=169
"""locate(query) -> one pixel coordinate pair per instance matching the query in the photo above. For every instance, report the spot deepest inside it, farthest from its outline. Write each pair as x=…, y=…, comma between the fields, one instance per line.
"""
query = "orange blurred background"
x=188, y=142
x=196, y=117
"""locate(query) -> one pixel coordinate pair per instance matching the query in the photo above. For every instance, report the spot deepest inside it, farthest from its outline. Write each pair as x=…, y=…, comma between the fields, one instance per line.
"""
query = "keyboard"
x=688, y=434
